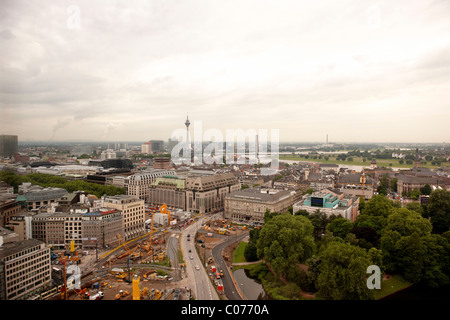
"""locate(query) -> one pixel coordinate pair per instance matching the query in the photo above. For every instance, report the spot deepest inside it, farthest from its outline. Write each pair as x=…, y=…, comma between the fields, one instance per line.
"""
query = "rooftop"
x=261, y=194
x=10, y=248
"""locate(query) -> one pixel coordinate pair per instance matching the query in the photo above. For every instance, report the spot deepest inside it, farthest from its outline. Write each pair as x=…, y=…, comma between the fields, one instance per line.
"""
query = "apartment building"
x=133, y=212
x=25, y=269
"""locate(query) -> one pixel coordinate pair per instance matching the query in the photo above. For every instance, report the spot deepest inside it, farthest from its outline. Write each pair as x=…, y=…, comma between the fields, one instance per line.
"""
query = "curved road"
x=198, y=278
x=228, y=284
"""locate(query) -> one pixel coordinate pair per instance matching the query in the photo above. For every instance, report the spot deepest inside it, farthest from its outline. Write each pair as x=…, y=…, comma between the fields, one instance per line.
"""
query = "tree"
x=368, y=234
x=415, y=193
x=378, y=206
x=284, y=241
x=343, y=273
x=438, y=210
x=340, y=227
x=250, y=252
x=320, y=220
x=426, y=190
x=393, y=184
x=375, y=213
x=409, y=248
x=384, y=184
x=301, y=212
x=415, y=206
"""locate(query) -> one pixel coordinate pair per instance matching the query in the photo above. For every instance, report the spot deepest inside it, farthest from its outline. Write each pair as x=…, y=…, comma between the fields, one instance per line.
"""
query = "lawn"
x=391, y=286
x=238, y=254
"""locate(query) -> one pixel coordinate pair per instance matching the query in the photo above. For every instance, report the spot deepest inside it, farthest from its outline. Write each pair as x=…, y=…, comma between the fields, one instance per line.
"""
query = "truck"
x=98, y=296
x=222, y=230
x=213, y=269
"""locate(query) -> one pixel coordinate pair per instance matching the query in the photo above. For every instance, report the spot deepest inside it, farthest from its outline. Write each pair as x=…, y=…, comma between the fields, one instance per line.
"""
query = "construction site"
x=141, y=268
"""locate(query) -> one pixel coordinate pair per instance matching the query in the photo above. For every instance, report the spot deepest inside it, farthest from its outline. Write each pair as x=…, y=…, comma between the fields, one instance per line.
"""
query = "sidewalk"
x=246, y=263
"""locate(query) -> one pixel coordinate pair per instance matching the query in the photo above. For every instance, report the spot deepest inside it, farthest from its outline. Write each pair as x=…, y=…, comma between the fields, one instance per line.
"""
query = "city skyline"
x=114, y=71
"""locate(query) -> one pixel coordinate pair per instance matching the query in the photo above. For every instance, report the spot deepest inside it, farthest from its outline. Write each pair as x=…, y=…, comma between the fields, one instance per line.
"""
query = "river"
x=250, y=288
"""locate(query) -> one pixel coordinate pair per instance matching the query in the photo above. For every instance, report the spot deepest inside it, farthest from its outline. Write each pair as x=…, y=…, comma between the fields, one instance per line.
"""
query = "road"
x=198, y=279
x=228, y=285
x=172, y=252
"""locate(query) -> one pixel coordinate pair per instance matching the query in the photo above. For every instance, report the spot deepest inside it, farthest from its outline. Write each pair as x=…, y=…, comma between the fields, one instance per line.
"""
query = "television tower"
x=187, y=123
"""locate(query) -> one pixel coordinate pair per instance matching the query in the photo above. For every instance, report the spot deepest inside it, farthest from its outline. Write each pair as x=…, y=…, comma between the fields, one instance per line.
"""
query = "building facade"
x=100, y=229
x=36, y=196
x=168, y=190
x=133, y=212
x=21, y=225
x=330, y=202
x=206, y=193
x=162, y=163
x=25, y=269
x=250, y=205
x=139, y=184
x=9, y=207
x=358, y=185
x=407, y=183
x=9, y=145
x=58, y=229
x=199, y=192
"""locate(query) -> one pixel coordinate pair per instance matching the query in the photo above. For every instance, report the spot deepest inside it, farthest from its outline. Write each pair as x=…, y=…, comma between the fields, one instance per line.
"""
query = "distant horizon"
x=280, y=142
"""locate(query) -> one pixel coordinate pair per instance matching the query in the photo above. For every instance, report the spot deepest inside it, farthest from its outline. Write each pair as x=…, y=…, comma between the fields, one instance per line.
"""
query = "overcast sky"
x=359, y=71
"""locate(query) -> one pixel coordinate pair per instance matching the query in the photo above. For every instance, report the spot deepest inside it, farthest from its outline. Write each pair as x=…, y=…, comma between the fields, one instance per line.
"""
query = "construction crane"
x=128, y=251
x=164, y=209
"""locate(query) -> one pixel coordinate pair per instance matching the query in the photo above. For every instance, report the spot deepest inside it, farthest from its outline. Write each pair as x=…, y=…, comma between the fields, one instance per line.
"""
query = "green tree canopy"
x=438, y=210
x=409, y=248
x=284, y=241
x=375, y=213
x=340, y=227
x=342, y=274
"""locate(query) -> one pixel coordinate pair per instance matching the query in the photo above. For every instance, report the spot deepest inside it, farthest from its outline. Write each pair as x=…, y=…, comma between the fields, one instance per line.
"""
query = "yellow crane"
x=164, y=209
x=128, y=251
x=136, y=290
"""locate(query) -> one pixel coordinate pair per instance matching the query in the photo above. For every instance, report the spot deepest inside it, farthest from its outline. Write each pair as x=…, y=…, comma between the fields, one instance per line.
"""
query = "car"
x=189, y=250
x=197, y=267
x=190, y=257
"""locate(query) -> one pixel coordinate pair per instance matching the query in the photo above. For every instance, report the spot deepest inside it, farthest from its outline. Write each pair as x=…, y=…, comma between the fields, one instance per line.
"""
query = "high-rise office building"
x=8, y=145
